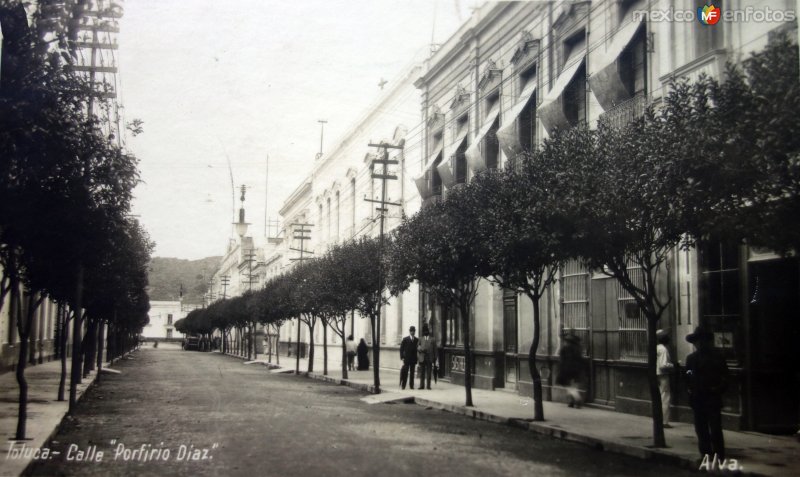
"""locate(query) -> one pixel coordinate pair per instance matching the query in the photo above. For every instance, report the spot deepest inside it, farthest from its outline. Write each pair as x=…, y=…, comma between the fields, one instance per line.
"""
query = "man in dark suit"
x=707, y=379
x=408, y=354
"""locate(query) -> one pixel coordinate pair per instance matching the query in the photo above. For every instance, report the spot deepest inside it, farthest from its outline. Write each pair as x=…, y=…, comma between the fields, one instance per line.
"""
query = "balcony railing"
x=625, y=112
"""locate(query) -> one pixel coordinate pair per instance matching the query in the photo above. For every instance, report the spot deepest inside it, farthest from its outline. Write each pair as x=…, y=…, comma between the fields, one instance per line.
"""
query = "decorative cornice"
x=491, y=72
x=435, y=116
x=461, y=96
x=527, y=49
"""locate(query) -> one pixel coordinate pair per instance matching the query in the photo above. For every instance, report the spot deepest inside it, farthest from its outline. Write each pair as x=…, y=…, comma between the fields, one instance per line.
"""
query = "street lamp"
x=241, y=225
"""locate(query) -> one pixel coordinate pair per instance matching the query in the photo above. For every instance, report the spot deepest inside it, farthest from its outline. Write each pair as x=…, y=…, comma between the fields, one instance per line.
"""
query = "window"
x=575, y=98
x=527, y=118
x=575, y=92
x=632, y=67
x=338, y=216
x=453, y=327
x=169, y=318
x=510, y=321
x=460, y=164
x=491, y=146
x=720, y=294
x=169, y=334
x=575, y=301
x=353, y=218
x=632, y=322
x=328, y=224
x=436, y=179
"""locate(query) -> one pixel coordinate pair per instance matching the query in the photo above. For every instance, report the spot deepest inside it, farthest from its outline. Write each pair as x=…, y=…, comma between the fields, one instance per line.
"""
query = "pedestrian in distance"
x=408, y=354
x=706, y=380
x=426, y=357
x=664, y=370
x=351, y=348
x=570, y=367
x=363, y=355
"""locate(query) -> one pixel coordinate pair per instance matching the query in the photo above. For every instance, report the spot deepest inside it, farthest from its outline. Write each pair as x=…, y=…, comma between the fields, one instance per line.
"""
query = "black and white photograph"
x=399, y=238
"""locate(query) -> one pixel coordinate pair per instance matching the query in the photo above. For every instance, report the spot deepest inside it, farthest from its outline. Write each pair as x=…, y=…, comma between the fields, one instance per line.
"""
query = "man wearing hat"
x=426, y=357
x=664, y=368
x=706, y=378
x=408, y=354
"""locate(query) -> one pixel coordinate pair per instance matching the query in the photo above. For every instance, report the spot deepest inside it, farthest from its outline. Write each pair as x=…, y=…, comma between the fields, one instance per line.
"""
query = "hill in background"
x=167, y=275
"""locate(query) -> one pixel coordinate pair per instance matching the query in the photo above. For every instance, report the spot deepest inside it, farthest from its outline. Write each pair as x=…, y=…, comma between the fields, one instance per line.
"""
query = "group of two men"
x=415, y=351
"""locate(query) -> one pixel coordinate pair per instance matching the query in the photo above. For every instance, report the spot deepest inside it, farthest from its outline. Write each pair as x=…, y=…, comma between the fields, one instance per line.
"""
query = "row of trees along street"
x=712, y=159
x=65, y=195
x=318, y=292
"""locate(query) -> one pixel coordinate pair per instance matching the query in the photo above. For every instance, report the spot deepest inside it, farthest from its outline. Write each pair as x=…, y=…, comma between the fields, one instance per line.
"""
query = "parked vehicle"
x=192, y=343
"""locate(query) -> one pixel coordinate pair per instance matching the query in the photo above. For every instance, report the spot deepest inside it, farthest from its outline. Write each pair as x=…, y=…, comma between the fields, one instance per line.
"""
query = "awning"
x=475, y=158
x=606, y=83
x=423, y=182
x=447, y=169
x=551, y=111
x=507, y=134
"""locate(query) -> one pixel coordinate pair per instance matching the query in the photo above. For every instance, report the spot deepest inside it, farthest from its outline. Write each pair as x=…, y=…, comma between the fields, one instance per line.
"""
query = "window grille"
x=632, y=322
x=575, y=301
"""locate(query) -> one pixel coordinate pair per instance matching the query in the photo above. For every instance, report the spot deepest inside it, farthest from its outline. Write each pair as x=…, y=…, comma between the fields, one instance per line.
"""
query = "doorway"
x=774, y=286
x=510, y=338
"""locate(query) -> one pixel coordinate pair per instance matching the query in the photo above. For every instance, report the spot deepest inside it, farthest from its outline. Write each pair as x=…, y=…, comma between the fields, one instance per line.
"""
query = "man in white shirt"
x=664, y=369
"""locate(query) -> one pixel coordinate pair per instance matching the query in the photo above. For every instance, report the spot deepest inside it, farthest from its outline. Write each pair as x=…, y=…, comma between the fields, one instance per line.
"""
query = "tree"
x=345, y=285
x=518, y=211
x=438, y=248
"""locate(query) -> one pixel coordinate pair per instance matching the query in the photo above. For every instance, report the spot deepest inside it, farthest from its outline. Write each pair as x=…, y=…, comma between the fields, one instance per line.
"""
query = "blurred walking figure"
x=426, y=357
x=664, y=370
x=351, y=352
x=570, y=367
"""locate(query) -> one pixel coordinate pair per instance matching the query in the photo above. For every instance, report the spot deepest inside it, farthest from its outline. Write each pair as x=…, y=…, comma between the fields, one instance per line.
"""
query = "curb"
x=92, y=379
x=543, y=428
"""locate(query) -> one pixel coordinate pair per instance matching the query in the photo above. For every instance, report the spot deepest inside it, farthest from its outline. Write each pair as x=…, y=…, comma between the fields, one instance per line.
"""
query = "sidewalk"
x=756, y=454
x=45, y=413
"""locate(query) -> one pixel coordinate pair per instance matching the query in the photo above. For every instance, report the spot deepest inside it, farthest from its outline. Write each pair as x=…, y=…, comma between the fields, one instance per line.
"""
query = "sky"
x=237, y=88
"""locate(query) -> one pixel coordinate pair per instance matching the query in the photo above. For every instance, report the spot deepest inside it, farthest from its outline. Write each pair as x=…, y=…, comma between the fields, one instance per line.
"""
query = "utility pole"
x=225, y=280
x=382, y=208
x=249, y=257
x=322, y=123
x=301, y=233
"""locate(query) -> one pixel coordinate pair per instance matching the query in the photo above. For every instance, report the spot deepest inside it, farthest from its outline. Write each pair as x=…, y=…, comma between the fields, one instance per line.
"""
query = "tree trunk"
x=344, y=356
x=89, y=341
x=376, y=351
x=310, y=347
x=63, y=337
x=324, y=348
x=464, y=307
x=23, y=330
x=77, y=305
x=32, y=332
x=100, y=349
x=538, y=406
x=297, y=355
x=278, y=345
x=652, y=379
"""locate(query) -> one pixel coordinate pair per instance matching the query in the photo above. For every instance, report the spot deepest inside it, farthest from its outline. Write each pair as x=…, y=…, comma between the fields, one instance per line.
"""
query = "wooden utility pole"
x=301, y=233
x=382, y=208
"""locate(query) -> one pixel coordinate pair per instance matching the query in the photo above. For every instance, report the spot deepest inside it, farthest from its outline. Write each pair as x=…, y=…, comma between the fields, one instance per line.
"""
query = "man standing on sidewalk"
x=408, y=354
x=706, y=377
x=664, y=369
x=426, y=357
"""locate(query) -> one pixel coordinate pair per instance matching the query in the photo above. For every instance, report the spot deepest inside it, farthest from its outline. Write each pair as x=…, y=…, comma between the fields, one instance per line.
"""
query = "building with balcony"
x=510, y=76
